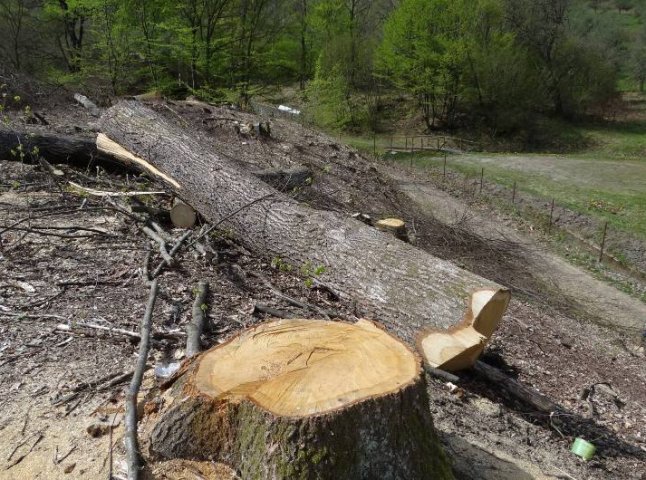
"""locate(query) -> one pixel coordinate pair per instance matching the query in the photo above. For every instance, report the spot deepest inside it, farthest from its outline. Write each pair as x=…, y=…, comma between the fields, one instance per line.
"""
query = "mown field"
x=605, y=180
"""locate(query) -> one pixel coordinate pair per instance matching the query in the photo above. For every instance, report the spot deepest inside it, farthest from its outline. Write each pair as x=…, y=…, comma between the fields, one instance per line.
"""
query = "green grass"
x=606, y=190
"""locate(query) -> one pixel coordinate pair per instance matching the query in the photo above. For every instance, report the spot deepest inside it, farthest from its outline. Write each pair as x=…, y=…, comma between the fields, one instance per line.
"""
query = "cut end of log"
x=296, y=368
x=112, y=149
x=460, y=347
x=182, y=215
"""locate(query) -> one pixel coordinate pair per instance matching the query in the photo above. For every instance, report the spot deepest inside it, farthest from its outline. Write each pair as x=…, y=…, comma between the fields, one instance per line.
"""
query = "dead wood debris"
x=134, y=457
x=196, y=325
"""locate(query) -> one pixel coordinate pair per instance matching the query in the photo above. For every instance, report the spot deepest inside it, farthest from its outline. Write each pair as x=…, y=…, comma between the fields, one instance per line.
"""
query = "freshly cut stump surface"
x=395, y=226
x=305, y=399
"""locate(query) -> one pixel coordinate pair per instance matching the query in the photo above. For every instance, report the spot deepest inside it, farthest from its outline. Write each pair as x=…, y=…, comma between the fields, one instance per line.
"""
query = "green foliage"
x=310, y=272
x=327, y=98
x=279, y=264
x=498, y=62
x=423, y=52
x=499, y=65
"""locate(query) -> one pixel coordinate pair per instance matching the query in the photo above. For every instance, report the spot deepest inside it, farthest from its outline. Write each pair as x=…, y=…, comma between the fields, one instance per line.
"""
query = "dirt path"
x=596, y=299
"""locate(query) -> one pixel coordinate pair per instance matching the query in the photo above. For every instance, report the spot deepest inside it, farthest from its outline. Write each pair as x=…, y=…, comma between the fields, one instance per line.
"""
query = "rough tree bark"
x=402, y=287
x=74, y=150
x=82, y=151
x=304, y=399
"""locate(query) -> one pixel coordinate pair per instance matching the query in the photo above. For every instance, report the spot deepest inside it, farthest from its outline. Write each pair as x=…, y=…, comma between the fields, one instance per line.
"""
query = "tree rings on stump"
x=305, y=399
x=394, y=226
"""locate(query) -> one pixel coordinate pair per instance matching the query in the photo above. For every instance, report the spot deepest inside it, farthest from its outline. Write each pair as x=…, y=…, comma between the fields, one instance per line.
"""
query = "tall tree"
x=423, y=52
x=14, y=15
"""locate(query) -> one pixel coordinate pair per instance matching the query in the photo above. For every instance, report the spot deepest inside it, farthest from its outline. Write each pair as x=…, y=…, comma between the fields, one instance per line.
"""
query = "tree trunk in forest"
x=304, y=399
x=404, y=288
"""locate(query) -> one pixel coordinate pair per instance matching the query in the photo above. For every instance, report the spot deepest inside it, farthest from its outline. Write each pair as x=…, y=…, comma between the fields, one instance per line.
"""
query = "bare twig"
x=111, y=448
x=22, y=457
x=42, y=231
x=161, y=241
x=118, y=331
x=231, y=215
x=58, y=460
x=172, y=253
x=195, y=327
x=133, y=454
x=287, y=298
x=102, y=193
x=259, y=307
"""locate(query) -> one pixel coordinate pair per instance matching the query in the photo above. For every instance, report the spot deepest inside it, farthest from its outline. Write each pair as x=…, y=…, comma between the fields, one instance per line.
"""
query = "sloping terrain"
x=72, y=258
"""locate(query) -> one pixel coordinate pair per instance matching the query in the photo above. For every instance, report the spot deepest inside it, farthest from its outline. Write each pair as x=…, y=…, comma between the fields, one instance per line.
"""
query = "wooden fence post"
x=513, y=194
x=549, y=227
x=481, y=178
x=444, y=167
x=603, y=241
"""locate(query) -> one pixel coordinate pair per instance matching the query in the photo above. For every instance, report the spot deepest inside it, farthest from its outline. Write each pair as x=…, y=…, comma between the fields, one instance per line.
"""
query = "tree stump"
x=305, y=399
x=395, y=226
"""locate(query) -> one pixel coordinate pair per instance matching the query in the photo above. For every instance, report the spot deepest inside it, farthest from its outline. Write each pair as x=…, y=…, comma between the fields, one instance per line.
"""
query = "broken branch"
x=133, y=454
x=196, y=326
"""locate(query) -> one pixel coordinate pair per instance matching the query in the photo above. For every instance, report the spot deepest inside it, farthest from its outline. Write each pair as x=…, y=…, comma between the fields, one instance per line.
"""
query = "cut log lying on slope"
x=460, y=346
x=304, y=399
x=404, y=288
x=80, y=151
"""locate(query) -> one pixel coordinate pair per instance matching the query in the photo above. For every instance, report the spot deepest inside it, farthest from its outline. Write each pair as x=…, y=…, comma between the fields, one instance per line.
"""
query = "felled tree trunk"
x=305, y=399
x=80, y=151
x=404, y=288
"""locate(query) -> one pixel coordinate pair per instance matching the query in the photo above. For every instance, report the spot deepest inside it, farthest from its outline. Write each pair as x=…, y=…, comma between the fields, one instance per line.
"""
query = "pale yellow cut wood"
x=297, y=368
x=102, y=193
x=459, y=348
x=391, y=223
x=112, y=148
x=395, y=226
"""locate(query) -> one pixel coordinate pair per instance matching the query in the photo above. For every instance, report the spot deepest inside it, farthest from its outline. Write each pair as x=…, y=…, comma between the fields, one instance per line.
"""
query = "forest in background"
x=492, y=66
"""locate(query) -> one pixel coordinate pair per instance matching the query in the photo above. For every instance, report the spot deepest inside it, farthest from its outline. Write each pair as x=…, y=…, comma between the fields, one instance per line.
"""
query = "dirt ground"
x=68, y=258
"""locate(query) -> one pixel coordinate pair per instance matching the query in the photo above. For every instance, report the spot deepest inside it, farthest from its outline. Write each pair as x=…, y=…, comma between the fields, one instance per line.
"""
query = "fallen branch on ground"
x=103, y=193
x=171, y=254
x=196, y=326
x=525, y=394
x=287, y=298
x=133, y=454
x=118, y=331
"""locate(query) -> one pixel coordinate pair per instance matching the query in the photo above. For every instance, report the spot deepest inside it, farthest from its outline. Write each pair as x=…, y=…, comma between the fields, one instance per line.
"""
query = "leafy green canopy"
x=493, y=60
